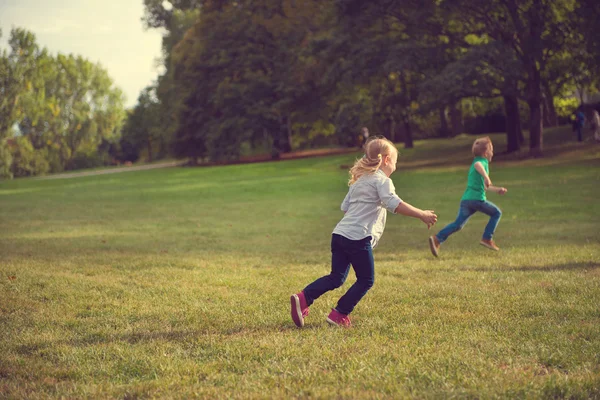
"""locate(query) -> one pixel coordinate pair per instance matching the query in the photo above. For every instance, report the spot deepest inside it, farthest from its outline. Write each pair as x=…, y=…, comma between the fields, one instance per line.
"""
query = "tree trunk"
x=520, y=132
x=549, y=110
x=149, y=144
x=289, y=132
x=444, y=131
x=456, y=118
x=536, y=128
x=550, y=117
x=392, y=129
x=513, y=123
x=275, y=153
x=408, y=139
x=536, y=115
x=281, y=139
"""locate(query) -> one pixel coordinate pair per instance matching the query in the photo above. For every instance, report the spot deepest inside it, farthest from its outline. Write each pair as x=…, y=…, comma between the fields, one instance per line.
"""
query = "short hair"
x=480, y=146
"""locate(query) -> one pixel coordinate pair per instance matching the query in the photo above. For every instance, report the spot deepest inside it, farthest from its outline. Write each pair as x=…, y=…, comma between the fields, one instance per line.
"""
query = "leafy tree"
x=143, y=128
x=534, y=30
x=18, y=77
x=243, y=77
x=6, y=160
x=250, y=72
x=175, y=22
x=486, y=69
x=396, y=43
x=26, y=161
x=60, y=104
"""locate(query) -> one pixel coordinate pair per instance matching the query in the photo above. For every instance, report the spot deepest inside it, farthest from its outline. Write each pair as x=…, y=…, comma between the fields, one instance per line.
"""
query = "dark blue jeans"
x=579, y=133
x=345, y=252
x=468, y=208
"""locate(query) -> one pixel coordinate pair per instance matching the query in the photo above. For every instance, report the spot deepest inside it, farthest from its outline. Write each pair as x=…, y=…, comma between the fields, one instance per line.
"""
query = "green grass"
x=175, y=283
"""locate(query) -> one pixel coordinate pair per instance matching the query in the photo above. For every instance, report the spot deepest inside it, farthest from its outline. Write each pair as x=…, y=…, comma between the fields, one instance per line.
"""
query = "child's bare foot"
x=489, y=244
x=434, y=245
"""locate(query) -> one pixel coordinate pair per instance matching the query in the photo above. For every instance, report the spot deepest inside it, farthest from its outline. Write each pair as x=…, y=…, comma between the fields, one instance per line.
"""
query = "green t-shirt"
x=475, y=185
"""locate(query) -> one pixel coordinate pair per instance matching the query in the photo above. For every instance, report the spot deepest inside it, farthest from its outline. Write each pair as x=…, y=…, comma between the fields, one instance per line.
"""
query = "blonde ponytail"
x=375, y=149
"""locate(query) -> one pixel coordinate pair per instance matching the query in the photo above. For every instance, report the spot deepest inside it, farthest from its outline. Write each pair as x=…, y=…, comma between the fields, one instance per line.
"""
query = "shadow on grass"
x=589, y=265
x=189, y=336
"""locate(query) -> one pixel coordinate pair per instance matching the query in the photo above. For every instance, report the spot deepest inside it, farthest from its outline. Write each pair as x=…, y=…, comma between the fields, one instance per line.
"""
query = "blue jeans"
x=468, y=208
x=345, y=252
x=579, y=133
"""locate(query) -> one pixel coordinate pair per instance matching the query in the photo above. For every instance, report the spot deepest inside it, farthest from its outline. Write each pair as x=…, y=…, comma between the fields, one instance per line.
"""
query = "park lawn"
x=175, y=283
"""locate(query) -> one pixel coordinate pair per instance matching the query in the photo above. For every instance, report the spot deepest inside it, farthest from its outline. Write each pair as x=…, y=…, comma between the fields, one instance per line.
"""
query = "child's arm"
x=486, y=179
x=393, y=203
x=346, y=202
x=497, y=189
x=427, y=216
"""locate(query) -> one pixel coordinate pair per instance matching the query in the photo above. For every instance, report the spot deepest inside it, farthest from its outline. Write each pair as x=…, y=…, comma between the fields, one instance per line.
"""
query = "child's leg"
x=464, y=213
x=489, y=208
x=340, y=265
x=361, y=257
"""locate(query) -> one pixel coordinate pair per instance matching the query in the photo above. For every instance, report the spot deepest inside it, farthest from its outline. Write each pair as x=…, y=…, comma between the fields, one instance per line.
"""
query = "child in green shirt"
x=474, y=199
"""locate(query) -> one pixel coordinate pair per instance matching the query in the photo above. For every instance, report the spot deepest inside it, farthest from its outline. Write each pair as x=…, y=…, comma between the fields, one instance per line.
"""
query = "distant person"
x=595, y=124
x=579, y=123
x=363, y=137
x=474, y=199
x=371, y=193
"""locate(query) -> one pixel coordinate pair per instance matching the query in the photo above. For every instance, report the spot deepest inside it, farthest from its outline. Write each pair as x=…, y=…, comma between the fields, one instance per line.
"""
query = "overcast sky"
x=106, y=31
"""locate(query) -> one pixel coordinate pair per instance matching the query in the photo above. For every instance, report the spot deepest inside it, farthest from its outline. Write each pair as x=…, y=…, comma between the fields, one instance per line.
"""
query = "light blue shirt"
x=365, y=206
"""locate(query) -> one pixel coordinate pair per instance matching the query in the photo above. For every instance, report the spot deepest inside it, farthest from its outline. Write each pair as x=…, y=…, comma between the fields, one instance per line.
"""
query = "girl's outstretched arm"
x=427, y=216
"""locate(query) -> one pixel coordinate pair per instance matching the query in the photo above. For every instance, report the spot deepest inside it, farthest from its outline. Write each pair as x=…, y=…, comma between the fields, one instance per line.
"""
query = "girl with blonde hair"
x=370, y=196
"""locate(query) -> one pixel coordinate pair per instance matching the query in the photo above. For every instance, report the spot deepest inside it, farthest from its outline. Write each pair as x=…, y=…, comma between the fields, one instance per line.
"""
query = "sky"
x=106, y=31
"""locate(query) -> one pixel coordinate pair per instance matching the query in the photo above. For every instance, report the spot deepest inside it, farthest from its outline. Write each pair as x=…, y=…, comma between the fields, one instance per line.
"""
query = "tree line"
x=283, y=74
x=273, y=76
x=56, y=112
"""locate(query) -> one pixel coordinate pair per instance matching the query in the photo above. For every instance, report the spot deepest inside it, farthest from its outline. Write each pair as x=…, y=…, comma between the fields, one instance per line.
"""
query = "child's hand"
x=429, y=218
x=487, y=182
x=502, y=190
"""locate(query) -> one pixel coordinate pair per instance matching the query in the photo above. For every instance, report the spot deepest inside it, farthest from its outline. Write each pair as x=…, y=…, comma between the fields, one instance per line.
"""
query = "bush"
x=126, y=151
x=55, y=156
x=26, y=160
x=5, y=160
x=89, y=159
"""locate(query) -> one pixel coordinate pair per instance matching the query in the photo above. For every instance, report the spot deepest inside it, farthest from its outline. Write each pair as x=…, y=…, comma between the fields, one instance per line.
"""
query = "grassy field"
x=175, y=283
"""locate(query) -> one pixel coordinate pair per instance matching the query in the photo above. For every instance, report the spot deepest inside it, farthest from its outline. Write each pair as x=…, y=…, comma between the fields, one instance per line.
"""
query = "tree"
x=486, y=69
x=80, y=108
x=394, y=43
x=534, y=30
x=18, y=77
x=61, y=105
x=244, y=77
x=142, y=128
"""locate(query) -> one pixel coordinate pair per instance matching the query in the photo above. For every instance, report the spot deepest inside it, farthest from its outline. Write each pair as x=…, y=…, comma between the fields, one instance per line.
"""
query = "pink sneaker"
x=337, y=318
x=299, y=308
